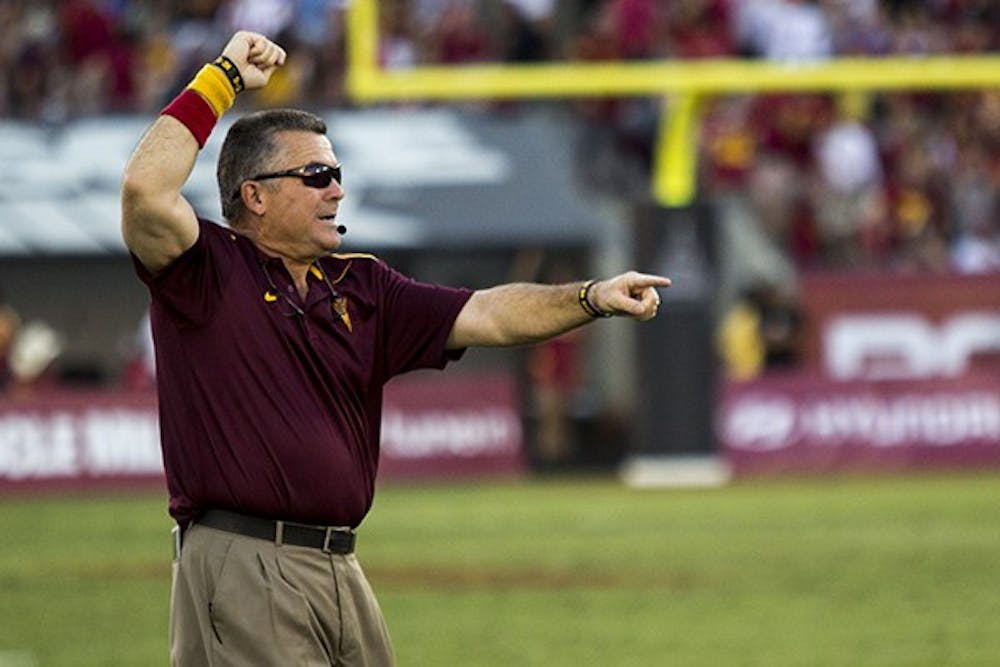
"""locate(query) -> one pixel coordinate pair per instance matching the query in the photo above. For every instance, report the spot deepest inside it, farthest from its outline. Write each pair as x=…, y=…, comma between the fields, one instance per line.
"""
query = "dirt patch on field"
x=135, y=570
x=501, y=578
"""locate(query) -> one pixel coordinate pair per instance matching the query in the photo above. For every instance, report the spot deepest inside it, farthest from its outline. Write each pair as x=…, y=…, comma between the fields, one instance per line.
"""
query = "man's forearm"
x=163, y=160
x=157, y=223
x=521, y=313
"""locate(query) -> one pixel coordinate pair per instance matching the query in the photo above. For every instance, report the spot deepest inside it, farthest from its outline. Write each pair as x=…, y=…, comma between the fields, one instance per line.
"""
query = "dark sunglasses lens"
x=321, y=176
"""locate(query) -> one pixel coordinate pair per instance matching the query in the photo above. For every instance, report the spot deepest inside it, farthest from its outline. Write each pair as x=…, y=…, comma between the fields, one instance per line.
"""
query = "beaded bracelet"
x=583, y=296
x=232, y=73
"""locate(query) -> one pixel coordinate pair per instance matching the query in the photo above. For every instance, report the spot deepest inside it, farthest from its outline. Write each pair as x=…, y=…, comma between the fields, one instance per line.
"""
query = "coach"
x=271, y=356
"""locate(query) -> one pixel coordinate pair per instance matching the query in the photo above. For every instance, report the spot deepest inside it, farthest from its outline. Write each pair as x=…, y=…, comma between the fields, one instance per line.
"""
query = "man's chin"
x=332, y=241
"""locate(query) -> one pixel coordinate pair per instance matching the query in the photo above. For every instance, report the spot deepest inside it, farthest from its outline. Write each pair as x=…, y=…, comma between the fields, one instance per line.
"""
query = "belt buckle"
x=328, y=537
x=330, y=531
x=279, y=533
x=177, y=536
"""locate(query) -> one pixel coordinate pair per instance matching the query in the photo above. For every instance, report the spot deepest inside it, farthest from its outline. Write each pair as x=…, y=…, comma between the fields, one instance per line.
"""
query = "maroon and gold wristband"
x=212, y=91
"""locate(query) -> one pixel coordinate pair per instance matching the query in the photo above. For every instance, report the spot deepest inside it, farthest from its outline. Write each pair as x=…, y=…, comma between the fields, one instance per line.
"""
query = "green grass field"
x=585, y=572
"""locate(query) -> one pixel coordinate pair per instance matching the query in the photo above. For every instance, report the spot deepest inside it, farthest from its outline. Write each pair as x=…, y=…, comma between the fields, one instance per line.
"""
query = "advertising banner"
x=879, y=326
x=902, y=373
x=455, y=427
x=807, y=424
x=432, y=428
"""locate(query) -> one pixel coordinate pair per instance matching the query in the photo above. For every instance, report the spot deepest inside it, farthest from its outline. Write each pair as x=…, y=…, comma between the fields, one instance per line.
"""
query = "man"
x=271, y=356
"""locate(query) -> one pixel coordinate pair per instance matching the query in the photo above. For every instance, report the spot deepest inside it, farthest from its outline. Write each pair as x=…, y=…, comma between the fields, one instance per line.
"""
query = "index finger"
x=648, y=280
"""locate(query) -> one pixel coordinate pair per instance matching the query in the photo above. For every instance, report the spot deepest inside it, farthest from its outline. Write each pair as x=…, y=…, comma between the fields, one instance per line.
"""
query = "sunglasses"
x=313, y=175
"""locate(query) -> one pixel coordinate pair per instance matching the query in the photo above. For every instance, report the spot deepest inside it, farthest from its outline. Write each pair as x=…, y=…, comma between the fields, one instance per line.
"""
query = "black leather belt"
x=330, y=539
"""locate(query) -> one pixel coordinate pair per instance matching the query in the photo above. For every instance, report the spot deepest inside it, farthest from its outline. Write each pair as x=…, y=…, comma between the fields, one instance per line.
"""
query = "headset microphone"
x=341, y=229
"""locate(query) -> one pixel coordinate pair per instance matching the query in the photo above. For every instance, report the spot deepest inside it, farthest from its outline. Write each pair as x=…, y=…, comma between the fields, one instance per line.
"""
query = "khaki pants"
x=244, y=602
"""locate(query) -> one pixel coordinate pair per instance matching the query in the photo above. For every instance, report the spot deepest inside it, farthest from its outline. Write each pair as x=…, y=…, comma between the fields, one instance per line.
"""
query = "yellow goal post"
x=684, y=85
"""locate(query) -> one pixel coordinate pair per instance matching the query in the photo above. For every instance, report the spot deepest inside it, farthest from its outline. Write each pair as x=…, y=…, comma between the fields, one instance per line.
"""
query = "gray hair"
x=249, y=147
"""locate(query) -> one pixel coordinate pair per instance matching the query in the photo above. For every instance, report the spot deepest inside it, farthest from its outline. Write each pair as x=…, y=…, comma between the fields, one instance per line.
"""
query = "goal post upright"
x=683, y=84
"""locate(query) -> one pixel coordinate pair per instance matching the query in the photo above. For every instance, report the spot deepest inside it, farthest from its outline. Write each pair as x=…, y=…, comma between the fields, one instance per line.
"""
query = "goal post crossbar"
x=684, y=85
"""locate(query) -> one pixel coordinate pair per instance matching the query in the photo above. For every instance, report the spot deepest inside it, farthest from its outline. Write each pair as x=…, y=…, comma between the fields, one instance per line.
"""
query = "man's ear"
x=252, y=195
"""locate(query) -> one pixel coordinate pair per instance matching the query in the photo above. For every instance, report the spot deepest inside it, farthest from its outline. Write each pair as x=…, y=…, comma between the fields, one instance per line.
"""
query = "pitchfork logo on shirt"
x=339, y=305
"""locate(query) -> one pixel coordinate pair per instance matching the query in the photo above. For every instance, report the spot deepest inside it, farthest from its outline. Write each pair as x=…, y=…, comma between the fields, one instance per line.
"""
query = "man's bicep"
x=159, y=235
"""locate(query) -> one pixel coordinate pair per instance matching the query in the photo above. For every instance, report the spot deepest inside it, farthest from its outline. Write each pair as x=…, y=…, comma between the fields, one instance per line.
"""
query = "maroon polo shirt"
x=269, y=404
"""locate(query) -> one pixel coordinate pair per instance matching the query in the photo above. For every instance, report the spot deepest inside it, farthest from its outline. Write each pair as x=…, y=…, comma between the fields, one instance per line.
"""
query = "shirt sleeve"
x=418, y=319
x=191, y=287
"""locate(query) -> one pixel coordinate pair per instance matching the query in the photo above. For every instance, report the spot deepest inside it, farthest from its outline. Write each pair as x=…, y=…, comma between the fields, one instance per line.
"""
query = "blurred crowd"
x=901, y=179
x=63, y=58
x=907, y=181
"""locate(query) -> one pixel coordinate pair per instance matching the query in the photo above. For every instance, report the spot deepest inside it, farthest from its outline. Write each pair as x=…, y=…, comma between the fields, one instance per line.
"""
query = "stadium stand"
x=921, y=194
